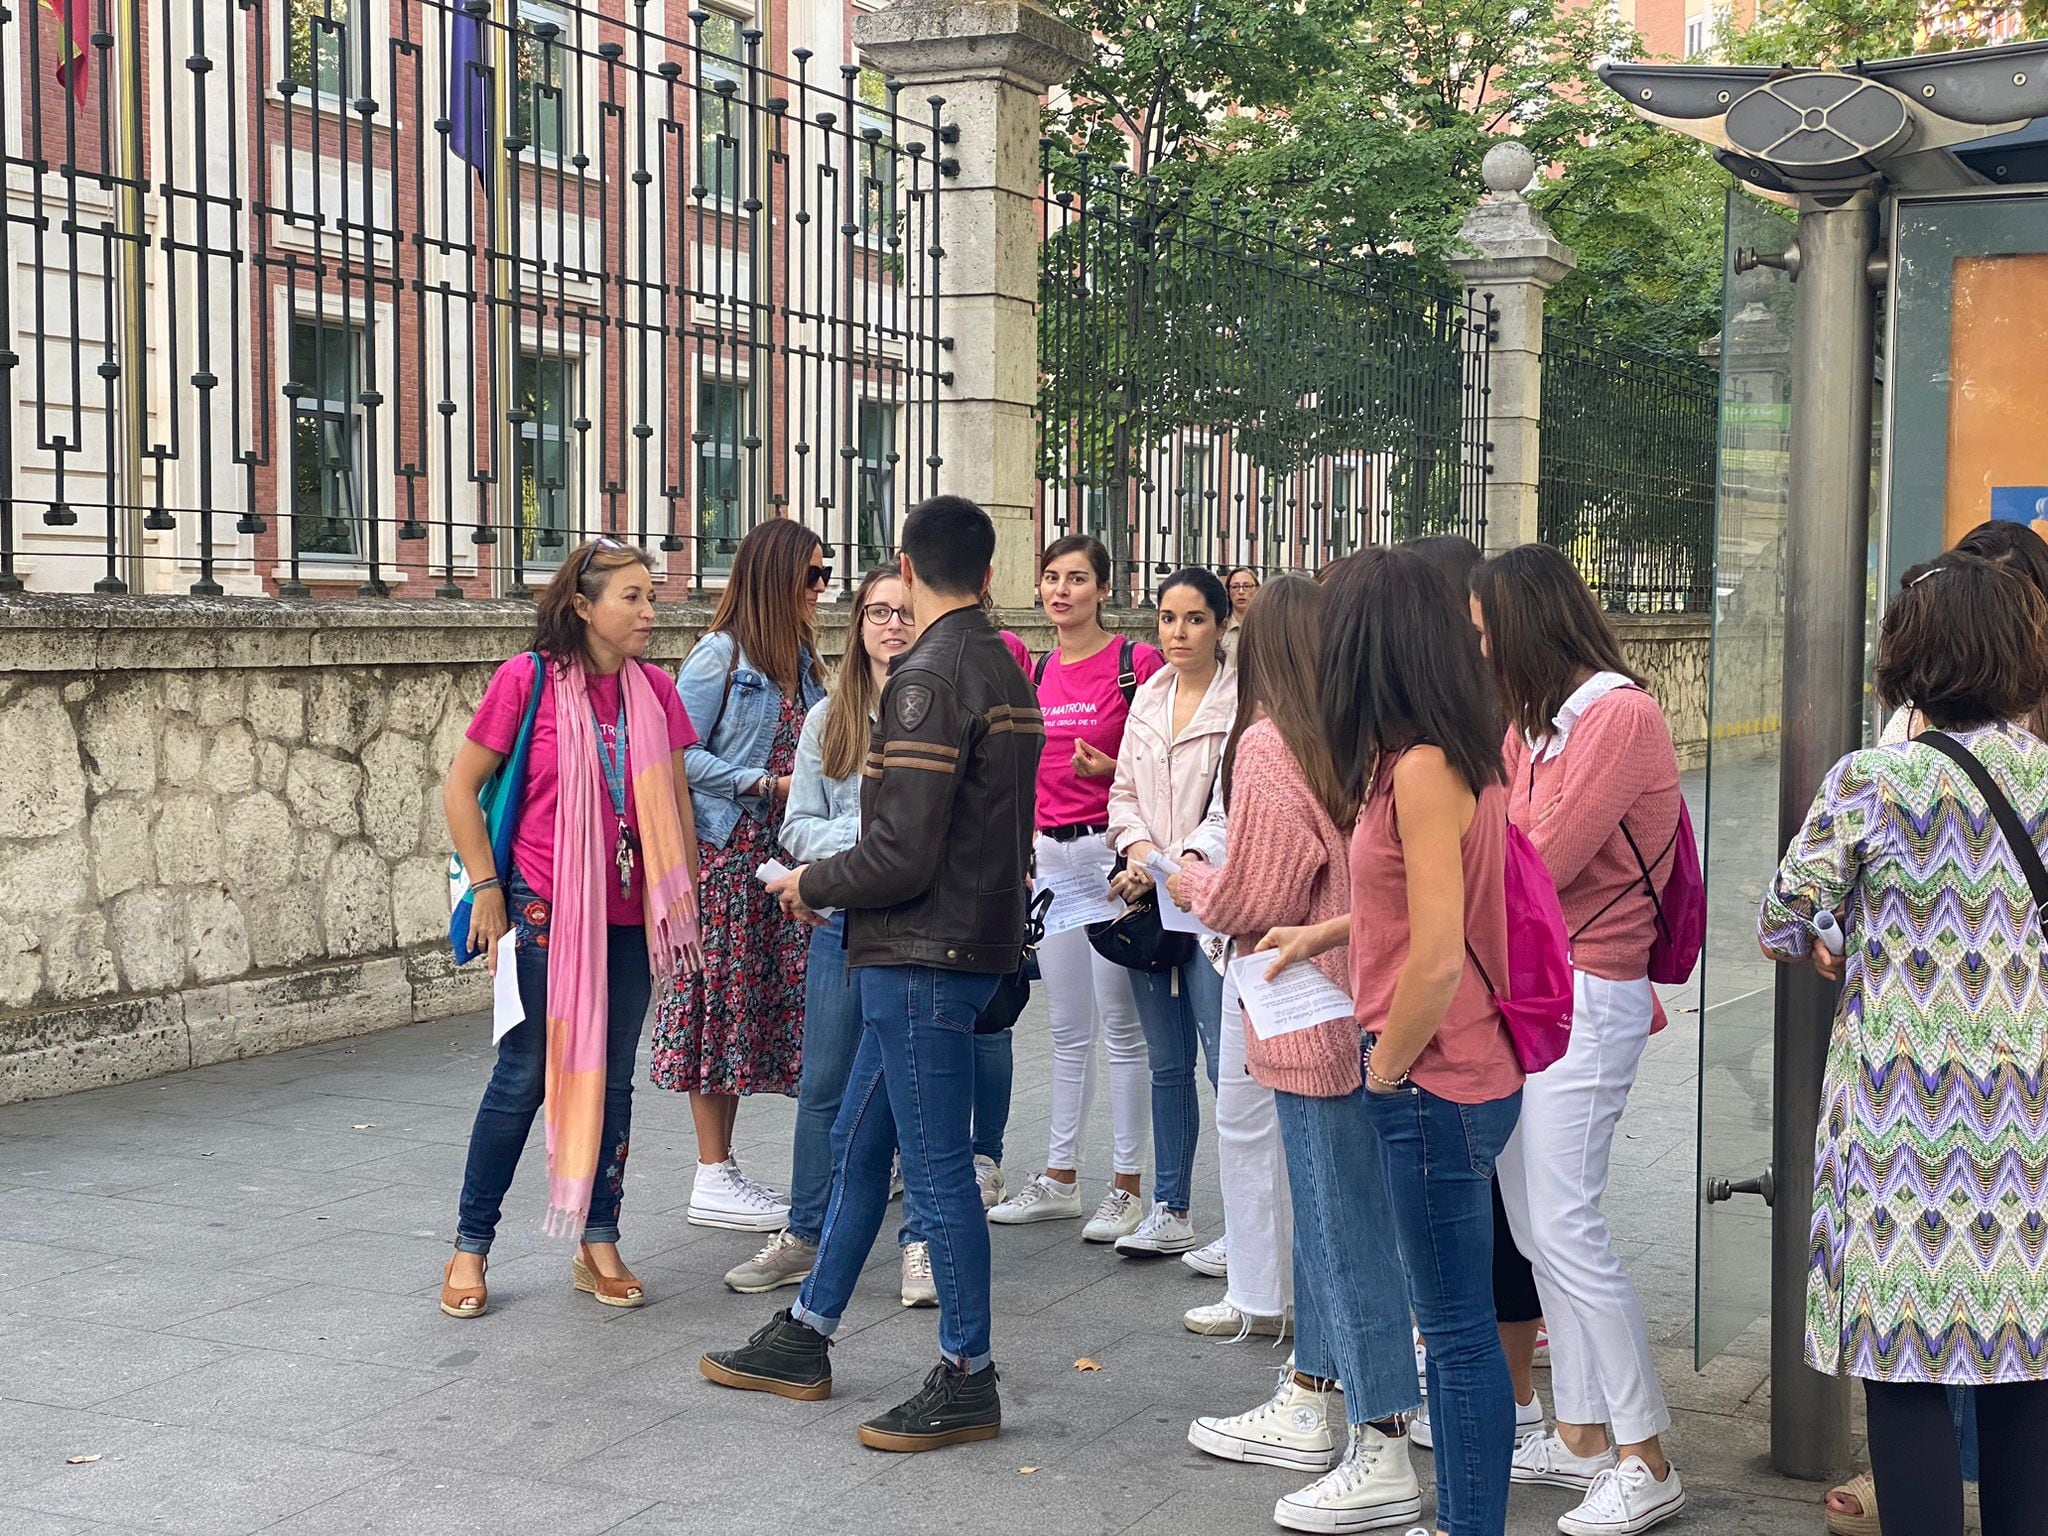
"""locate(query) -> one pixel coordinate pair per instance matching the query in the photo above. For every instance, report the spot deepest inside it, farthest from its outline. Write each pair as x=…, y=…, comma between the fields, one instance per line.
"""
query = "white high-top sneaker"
x=1289, y=1429
x=1373, y=1486
x=722, y=1196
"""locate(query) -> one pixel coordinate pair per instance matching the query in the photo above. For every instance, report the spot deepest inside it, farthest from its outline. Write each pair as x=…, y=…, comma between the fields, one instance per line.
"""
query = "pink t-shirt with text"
x=496, y=726
x=1083, y=701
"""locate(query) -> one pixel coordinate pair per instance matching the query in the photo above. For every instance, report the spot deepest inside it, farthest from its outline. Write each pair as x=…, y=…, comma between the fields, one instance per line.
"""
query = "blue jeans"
x=913, y=1082
x=1350, y=1301
x=514, y=1093
x=1438, y=1157
x=831, y=1037
x=1178, y=1008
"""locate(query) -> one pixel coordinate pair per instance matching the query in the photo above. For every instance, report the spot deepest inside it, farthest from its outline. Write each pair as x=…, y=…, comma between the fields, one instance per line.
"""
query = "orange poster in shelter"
x=1998, y=405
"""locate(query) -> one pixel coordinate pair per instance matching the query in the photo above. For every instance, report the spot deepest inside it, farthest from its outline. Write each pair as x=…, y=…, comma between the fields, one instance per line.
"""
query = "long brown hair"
x=854, y=693
x=1279, y=657
x=764, y=606
x=559, y=632
x=1542, y=630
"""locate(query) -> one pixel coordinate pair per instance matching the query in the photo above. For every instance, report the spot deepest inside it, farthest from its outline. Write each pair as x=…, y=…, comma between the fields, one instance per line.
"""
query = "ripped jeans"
x=513, y=1095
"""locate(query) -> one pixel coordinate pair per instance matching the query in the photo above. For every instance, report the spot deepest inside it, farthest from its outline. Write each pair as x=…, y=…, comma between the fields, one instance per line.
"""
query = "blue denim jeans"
x=832, y=1026
x=513, y=1095
x=1438, y=1157
x=913, y=1082
x=1178, y=1008
x=1350, y=1301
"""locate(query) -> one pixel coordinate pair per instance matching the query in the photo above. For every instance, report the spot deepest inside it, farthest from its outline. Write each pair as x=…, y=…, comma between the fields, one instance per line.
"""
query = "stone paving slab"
x=221, y=1284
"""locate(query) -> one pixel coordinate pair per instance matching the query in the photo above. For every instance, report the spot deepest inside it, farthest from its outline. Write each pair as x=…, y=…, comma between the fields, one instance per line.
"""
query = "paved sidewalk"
x=221, y=1284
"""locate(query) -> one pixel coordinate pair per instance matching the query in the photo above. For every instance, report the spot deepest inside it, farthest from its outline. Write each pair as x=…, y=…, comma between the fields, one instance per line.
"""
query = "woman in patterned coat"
x=1929, y=1258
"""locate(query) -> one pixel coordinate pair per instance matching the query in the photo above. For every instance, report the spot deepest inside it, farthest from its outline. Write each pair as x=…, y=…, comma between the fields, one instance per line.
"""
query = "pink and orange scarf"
x=577, y=1001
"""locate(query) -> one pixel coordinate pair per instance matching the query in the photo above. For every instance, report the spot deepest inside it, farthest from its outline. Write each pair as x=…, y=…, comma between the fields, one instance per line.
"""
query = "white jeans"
x=1087, y=996
x=1258, y=1211
x=1553, y=1174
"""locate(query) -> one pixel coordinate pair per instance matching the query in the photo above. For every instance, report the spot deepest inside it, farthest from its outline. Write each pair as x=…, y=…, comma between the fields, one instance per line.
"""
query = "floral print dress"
x=737, y=1026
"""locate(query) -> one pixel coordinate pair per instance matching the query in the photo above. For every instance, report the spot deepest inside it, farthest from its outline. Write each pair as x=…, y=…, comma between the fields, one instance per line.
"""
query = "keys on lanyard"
x=624, y=845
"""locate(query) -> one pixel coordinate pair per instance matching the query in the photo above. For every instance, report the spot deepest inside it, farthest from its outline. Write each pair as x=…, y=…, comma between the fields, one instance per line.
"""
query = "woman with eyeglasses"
x=604, y=819
x=737, y=1027
x=1243, y=585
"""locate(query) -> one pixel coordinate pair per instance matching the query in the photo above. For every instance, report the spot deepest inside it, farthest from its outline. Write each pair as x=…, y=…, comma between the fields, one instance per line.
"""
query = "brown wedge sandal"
x=463, y=1300
x=622, y=1291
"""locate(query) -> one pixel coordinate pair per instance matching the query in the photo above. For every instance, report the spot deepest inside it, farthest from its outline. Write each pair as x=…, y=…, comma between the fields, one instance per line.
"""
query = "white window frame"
x=707, y=107
x=1696, y=35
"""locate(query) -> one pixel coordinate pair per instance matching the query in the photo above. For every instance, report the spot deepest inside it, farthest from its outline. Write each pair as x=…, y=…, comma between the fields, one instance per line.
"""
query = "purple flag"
x=469, y=123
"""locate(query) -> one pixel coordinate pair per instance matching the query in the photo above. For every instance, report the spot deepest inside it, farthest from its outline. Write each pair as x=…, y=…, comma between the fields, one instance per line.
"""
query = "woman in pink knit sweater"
x=1289, y=822
x=1593, y=781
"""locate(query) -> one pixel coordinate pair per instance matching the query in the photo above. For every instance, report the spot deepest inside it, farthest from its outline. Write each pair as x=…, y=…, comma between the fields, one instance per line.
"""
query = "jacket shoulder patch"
x=913, y=703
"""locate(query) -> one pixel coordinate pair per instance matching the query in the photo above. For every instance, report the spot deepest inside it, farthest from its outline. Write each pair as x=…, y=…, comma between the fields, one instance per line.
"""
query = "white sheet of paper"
x=774, y=870
x=506, y=1008
x=1079, y=897
x=1171, y=918
x=1301, y=997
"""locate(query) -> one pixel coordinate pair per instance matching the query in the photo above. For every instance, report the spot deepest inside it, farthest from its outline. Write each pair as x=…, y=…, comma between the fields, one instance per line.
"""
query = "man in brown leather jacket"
x=934, y=895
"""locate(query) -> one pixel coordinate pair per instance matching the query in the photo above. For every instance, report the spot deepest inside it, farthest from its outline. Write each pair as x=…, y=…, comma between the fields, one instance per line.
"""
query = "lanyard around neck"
x=614, y=767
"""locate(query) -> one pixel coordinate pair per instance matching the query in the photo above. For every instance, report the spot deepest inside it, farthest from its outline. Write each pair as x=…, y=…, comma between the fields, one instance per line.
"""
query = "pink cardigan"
x=1286, y=865
x=1617, y=763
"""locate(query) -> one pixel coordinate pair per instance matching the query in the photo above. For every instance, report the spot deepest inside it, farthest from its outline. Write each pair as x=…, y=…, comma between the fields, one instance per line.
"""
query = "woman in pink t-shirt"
x=1085, y=684
x=594, y=621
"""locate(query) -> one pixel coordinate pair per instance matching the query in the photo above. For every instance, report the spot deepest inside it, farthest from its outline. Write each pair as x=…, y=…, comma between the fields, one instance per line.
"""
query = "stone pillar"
x=992, y=61
x=1515, y=261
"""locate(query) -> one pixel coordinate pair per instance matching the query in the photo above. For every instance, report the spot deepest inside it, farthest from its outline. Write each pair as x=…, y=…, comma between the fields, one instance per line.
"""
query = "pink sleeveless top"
x=1471, y=1059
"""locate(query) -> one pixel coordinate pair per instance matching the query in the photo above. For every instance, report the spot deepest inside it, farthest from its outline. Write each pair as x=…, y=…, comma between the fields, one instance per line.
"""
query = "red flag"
x=75, y=17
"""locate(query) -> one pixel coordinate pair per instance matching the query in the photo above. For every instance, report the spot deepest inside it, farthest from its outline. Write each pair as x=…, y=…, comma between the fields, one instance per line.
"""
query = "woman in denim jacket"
x=736, y=1027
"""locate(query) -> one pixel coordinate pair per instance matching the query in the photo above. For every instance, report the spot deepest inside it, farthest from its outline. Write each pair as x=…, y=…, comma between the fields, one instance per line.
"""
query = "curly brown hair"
x=558, y=629
x=1965, y=643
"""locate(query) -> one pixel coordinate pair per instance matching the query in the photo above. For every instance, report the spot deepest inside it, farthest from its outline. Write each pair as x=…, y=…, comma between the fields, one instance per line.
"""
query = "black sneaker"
x=786, y=1357
x=950, y=1409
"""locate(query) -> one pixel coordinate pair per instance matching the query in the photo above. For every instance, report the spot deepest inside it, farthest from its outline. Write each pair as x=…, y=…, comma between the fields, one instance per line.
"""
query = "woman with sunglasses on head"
x=737, y=1028
x=1166, y=775
x=604, y=820
x=1085, y=686
x=1593, y=781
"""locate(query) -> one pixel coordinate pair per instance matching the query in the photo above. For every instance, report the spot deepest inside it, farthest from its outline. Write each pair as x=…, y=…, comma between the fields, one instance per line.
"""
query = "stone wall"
x=220, y=821
x=1670, y=651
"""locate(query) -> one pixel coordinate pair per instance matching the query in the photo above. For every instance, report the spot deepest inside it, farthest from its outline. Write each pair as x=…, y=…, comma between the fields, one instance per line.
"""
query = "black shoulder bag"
x=1014, y=990
x=2008, y=819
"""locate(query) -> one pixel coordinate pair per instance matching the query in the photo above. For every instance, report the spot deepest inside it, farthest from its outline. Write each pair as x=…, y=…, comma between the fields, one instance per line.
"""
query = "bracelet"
x=476, y=886
x=1399, y=1082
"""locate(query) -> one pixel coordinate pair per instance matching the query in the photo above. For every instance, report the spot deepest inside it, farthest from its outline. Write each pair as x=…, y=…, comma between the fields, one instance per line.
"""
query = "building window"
x=543, y=78
x=541, y=394
x=1193, y=500
x=1695, y=36
x=875, y=156
x=721, y=407
x=875, y=493
x=721, y=109
x=326, y=470
x=1343, y=509
x=316, y=44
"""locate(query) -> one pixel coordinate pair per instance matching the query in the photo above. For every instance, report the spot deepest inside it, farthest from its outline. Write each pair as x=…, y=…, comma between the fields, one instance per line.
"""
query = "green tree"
x=1841, y=32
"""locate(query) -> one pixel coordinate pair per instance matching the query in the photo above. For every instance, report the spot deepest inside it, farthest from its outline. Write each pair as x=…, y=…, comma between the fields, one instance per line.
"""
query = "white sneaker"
x=1624, y=1500
x=722, y=1196
x=1421, y=1360
x=1160, y=1232
x=1528, y=1421
x=1544, y=1458
x=988, y=1178
x=1211, y=1259
x=733, y=1164
x=1223, y=1321
x=896, y=1178
x=919, y=1289
x=1042, y=1199
x=1289, y=1429
x=1373, y=1486
x=1118, y=1216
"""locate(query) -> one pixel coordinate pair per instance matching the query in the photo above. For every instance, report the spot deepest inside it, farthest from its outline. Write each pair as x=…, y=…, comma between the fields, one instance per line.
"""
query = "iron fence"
x=1213, y=393
x=1627, y=479
x=316, y=294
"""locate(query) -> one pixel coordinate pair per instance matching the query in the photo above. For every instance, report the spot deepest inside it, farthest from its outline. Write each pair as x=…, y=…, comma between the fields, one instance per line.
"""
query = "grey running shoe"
x=784, y=1260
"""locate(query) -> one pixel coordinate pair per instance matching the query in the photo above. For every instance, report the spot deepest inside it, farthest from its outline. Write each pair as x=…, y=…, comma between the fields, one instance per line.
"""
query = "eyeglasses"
x=882, y=613
x=820, y=575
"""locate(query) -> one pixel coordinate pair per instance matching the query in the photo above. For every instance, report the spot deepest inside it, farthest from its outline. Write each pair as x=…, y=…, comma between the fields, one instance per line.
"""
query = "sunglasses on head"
x=602, y=541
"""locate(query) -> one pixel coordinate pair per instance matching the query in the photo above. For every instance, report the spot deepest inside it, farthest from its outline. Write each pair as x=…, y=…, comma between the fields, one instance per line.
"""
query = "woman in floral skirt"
x=736, y=1027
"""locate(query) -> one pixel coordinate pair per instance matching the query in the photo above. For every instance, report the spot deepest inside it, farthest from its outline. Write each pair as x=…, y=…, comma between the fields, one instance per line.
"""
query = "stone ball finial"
x=1508, y=167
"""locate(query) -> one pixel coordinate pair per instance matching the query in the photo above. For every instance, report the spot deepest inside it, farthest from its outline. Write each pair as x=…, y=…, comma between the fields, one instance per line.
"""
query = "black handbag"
x=1136, y=939
x=1014, y=990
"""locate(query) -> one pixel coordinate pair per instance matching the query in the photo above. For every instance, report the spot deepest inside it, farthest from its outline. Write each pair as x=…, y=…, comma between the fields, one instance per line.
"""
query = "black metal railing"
x=350, y=293
x=1211, y=392
x=1626, y=486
